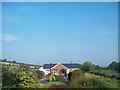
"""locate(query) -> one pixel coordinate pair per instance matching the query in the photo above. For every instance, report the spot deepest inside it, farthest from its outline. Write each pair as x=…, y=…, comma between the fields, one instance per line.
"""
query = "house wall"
x=55, y=70
x=47, y=71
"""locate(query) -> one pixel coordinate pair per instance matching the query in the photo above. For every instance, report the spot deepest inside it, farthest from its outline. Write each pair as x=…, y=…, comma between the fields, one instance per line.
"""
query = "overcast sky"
x=39, y=33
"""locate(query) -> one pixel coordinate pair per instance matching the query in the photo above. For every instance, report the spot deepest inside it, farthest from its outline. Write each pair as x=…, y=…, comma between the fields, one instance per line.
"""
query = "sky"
x=60, y=0
x=39, y=33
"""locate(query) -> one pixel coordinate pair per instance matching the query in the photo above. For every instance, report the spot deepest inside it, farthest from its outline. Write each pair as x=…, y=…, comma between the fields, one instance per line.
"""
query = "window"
x=55, y=70
x=63, y=71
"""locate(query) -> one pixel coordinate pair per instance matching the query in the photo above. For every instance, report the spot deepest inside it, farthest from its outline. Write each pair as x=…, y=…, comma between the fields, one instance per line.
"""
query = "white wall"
x=47, y=71
x=72, y=69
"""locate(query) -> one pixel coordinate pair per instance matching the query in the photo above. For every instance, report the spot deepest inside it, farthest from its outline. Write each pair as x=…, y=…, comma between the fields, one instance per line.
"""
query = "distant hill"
x=14, y=63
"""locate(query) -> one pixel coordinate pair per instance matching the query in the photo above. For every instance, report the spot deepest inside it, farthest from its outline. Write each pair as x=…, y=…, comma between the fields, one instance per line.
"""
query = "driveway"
x=45, y=79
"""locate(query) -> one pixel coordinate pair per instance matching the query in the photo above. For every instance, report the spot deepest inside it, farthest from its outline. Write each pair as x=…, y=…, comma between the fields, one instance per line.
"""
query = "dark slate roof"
x=72, y=65
x=68, y=65
x=48, y=66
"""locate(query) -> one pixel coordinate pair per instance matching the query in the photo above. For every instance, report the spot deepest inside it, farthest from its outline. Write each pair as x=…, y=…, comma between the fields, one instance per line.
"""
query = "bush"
x=61, y=86
x=74, y=77
x=74, y=82
x=84, y=81
x=88, y=83
x=62, y=78
x=26, y=79
x=58, y=86
x=69, y=75
x=88, y=67
x=8, y=78
x=77, y=72
x=51, y=78
x=21, y=77
x=57, y=78
x=53, y=86
x=96, y=82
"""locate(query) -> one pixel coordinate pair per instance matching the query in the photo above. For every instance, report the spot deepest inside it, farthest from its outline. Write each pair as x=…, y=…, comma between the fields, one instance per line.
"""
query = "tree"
x=14, y=61
x=22, y=77
x=8, y=78
x=25, y=78
x=88, y=67
x=4, y=60
x=113, y=66
x=119, y=66
x=80, y=66
x=69, y=75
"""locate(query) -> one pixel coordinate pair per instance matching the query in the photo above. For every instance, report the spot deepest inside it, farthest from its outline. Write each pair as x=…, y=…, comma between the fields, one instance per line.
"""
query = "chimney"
x=71, y=62
x=51, y=64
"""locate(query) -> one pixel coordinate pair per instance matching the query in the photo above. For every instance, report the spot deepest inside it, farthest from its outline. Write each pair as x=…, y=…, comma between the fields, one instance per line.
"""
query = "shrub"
x=58, y=86
x=26, y=79
x=96, y=82
x=74, y=77
x=51, y=78
x=61, y=86
x=74, y=82
x=8, y=77
x=62, y=78
x=84, y=81
x=88, y=67
x=53, y=86
x=19, y=78
x=69, y=75
x=77, y=72
x=57, y=78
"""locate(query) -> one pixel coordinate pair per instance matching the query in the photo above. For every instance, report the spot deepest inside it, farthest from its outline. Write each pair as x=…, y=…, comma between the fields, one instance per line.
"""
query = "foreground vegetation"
x=52, y=83
x=110, y=73
x=19, y=77
x=87, y=76
x=88, y=80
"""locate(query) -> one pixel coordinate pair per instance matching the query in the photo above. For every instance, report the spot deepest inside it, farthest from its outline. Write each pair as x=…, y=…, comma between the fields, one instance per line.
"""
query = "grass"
x=112, y=83
x=47, y=85
x=110, y=73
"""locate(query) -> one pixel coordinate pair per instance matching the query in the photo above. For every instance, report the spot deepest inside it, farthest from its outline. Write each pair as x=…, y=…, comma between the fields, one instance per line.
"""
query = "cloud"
x=9, y=37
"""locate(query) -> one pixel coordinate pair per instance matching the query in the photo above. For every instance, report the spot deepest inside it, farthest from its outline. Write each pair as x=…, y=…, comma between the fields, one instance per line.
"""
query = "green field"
x=110, y=73
x=112, y=83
